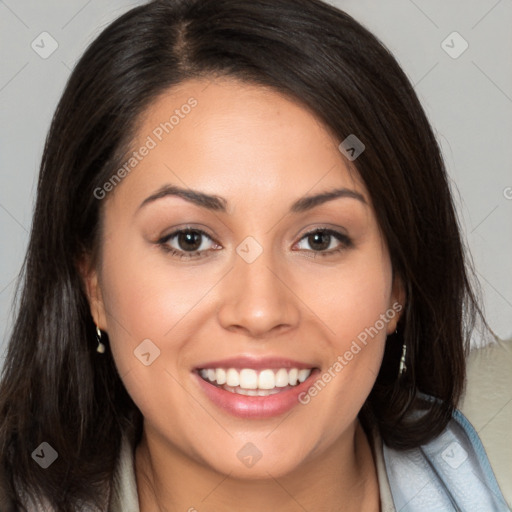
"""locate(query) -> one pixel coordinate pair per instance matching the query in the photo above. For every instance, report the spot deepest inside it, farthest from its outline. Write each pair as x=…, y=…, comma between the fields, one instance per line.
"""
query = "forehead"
x=234, y=139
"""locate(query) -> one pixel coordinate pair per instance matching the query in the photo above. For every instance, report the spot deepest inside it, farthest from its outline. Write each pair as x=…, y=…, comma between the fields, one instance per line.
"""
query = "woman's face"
x=248, y=174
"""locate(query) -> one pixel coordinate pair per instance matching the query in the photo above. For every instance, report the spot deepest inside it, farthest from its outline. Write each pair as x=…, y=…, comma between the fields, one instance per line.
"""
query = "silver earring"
x=101, y=346
x=403, y=366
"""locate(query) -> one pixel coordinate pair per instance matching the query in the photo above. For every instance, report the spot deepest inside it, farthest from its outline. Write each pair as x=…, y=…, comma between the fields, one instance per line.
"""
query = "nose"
x=258, y=299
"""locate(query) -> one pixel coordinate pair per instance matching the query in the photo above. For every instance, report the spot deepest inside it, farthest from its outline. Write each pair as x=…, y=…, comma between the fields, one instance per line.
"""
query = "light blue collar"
x=450, y=473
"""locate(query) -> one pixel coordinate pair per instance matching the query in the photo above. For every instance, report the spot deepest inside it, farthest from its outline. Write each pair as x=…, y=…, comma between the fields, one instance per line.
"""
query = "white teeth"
x=221, y=376
x=232, y=378
x=282, y=378
x=266, y=380
x=248, y=379
x=251, y=382
x=303, y=375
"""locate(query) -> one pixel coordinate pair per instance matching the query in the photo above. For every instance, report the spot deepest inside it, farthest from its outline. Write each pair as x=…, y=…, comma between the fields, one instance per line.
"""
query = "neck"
x=343, y=477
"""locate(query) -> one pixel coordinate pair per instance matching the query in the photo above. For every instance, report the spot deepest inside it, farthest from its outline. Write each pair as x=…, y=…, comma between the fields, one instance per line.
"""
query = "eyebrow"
x=218, y=204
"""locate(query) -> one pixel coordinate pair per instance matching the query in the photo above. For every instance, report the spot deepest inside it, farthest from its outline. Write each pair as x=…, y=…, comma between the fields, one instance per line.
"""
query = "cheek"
x=146, y=296
x=353, y=299
x=355, y=306
x=152, y=307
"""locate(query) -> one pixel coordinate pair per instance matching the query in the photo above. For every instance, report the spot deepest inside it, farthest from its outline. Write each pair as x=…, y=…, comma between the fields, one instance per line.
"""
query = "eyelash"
x=345, y=243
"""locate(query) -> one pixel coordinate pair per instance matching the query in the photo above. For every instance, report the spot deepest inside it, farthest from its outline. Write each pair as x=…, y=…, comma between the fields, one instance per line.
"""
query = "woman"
x=245, y=287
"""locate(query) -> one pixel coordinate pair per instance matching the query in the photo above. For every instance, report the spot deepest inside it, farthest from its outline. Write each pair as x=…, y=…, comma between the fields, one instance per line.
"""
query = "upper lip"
x=256, y=363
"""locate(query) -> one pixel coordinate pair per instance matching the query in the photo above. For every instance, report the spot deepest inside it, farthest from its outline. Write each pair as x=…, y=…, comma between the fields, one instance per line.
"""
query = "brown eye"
x=324, y=241
x=189, y=240
x=188, y=243
x=319, y=241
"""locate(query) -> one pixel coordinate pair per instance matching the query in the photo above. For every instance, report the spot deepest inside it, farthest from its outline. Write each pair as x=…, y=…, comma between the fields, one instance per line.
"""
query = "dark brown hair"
x=56, y=388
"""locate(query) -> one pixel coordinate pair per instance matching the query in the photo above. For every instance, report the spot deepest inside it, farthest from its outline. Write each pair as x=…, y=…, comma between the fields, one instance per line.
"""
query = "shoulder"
x=487, y=404
x=469, y=462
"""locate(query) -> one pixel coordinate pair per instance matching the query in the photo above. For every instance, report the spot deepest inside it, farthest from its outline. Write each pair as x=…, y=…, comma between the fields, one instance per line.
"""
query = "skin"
x=260, y=151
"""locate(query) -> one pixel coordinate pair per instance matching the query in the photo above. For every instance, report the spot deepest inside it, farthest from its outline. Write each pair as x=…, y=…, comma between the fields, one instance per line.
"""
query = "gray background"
x=468, y=100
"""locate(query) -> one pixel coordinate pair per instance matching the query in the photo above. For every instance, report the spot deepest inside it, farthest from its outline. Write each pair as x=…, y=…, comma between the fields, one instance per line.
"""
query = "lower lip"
x=255, y=407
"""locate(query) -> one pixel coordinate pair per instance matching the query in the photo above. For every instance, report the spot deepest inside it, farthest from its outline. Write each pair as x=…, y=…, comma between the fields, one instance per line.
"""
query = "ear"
x=91, y=282
x=397, y=303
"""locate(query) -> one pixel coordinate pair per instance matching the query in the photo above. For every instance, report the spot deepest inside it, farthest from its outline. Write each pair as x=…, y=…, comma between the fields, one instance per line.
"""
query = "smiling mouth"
x=250, y=382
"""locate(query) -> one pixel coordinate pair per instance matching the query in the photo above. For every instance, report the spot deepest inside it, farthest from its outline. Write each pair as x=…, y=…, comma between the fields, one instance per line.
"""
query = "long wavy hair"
x=55, y=388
